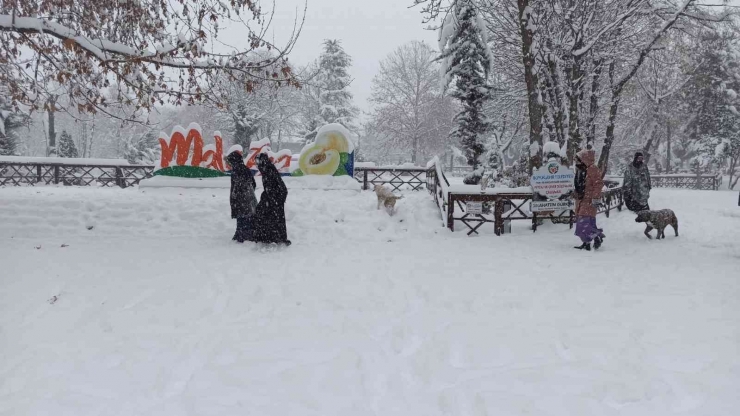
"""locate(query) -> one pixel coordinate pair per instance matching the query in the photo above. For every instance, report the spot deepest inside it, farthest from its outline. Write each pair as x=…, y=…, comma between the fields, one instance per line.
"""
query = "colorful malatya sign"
x=331, y=154
x=185, y=155
x=281, y=159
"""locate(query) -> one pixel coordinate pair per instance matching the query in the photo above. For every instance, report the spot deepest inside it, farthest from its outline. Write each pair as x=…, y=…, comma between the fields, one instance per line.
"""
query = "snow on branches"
x=466, y=61
x=151, y=51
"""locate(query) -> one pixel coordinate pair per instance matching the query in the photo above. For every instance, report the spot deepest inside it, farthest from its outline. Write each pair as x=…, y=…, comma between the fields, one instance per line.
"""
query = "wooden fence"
x=397, y=177
x=684, y=181
x=30, y=174
x=704, y=182
x=499, y=207
x=69, y=173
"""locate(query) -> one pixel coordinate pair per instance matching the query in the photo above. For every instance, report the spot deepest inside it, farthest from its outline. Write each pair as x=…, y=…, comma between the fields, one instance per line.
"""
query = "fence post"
x=38, y=173
x=119, y=178
x=435, y=180
x=56, y=174
x=450, y=211
x=364, y=180
x=498, y=220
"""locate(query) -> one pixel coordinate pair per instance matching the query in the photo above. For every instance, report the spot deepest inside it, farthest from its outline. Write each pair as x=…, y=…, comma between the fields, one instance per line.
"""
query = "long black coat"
x=242, y=199
x=269, y=221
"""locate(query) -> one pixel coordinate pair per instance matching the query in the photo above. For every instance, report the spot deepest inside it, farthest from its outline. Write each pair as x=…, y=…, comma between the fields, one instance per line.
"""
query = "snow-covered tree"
x=410, y=109
x=334, y=82
x=246, y=124
x=152, y=51
x=573, y=62
x=143, y=149
x=11, y=121
x=710, y=101
x=466, y=61
x=309, y=109
x=66, y=147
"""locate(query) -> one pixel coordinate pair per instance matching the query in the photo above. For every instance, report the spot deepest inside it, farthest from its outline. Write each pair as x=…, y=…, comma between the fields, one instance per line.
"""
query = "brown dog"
x=386, y=198
x=658, y=220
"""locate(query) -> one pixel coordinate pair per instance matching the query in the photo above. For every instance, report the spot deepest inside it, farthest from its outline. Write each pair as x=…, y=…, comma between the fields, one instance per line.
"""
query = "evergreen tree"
x=10, y=123
x=466, y=61
x=711, y=99
x=335, y=98
x=143, y=149
x=8, y=141
x=246, y=125
x=66, y=146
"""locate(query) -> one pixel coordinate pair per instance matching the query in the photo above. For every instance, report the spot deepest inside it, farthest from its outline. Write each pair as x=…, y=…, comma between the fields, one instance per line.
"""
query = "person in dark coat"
x=242, y=199
x=588, y=184
x=636, y=186
x=269, y=220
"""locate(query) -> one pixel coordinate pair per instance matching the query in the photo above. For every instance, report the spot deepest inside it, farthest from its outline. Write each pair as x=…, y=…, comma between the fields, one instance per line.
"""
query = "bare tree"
x=572, y=60
x=409, y=102
x=152, y=51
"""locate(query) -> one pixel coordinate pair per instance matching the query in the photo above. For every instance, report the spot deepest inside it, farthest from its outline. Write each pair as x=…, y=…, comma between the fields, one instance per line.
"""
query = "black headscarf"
x=580, y=179
x=242, y=199
x=635, y=162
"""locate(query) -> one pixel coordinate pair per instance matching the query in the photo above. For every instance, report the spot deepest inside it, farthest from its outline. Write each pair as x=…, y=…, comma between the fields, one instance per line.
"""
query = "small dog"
x=386, y=198
x=658, y=220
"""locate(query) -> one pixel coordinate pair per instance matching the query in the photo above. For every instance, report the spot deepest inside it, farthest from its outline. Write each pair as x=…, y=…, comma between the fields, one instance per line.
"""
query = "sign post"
x=474, y=208
x=552, y=181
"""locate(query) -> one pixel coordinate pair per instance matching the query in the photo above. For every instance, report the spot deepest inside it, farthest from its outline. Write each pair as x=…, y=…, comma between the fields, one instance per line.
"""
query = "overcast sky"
x=369, y=30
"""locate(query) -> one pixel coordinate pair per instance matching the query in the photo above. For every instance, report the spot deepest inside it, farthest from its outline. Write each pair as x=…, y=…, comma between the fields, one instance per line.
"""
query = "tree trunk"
x=617, y=89
x=51, y=147
x=594, y=102
x=530, y=78
x=575, y=82
x=653, y=133
x=609, y=139
x=669, y=132
x=414, y=150
x=554, y=92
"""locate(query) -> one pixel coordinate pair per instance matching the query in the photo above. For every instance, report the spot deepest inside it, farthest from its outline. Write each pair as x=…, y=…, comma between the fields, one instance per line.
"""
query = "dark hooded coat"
x=637, y=185
x=242, y=199
x=269, y=222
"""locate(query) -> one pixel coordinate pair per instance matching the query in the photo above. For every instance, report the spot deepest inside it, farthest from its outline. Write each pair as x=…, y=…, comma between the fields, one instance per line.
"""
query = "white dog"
x=386, y=198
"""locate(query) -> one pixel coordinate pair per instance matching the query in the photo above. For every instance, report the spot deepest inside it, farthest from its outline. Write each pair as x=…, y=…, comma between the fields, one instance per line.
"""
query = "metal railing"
x=31, y=174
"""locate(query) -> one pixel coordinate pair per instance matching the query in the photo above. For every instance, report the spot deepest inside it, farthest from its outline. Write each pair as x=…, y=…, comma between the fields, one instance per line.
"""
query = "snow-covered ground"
x=151, y=309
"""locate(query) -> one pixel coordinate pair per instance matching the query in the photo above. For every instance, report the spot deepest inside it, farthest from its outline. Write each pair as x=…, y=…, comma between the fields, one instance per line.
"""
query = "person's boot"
x=597, y=242
x=584, y=246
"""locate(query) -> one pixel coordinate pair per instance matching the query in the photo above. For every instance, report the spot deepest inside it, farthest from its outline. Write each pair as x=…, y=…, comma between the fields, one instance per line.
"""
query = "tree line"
x=506, y=77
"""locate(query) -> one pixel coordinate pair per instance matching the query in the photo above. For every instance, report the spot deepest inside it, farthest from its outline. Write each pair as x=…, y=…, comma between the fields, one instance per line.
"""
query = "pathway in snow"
x=152, y=310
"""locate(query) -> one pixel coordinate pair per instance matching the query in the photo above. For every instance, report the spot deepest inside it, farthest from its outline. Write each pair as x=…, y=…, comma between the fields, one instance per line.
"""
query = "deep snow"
x=155, y=311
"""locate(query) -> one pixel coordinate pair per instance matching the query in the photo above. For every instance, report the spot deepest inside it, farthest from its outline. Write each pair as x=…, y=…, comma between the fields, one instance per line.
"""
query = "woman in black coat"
x=269, y=221
x=242, y=199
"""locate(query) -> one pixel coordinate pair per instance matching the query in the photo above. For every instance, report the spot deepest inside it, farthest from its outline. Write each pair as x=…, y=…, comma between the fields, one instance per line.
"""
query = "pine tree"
x=466, y=61
x=336, y=100
x=8, y=141
x=246, y=125
x=67, y=146
x=711, y=98
x=143, y=149
x=10, y=122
